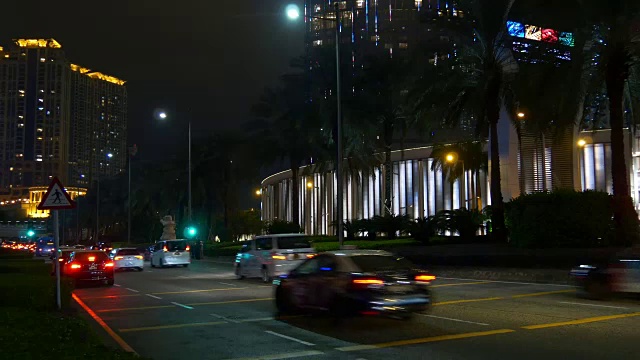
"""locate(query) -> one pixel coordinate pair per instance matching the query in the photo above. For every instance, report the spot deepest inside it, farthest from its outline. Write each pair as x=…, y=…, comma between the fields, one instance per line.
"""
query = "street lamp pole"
x=129, y=204
x=189, y=185
x=340, y=179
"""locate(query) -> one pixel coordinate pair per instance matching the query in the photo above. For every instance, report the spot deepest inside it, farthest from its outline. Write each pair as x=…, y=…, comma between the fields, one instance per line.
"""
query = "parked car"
x=618, y=276
x=90, y=266
x=355, y=282
x=128, y=258
x=171, y=253
x=269, y=256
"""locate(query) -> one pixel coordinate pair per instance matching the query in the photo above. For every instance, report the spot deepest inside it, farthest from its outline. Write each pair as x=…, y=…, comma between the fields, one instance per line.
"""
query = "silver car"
x=269, y=256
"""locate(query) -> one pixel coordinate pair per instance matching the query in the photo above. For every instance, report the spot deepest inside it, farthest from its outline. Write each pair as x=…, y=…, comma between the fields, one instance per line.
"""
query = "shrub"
x=391, y=225
x=560, y=218
x=423, y=229
x=464, y=222
x=282, y=227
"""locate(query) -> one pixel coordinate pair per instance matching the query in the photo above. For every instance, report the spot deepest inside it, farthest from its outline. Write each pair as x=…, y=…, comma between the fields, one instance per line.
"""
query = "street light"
x=309, y=185
x=162, y=116
x=582, y=142
x=258, y=192
x=521, y=115
x=452, y=158
x=293, y=13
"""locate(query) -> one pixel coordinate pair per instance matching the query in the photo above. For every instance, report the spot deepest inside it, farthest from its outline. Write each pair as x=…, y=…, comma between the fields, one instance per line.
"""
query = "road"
x=203, y=312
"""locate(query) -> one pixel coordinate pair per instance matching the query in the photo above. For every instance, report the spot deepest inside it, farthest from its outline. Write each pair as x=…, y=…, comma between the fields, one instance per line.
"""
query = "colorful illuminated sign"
x=538, y=33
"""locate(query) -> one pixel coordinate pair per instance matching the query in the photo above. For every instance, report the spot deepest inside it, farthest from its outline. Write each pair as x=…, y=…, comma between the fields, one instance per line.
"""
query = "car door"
x=263, y=253
x=300, y=283
x=251, y=260
x=323, y=283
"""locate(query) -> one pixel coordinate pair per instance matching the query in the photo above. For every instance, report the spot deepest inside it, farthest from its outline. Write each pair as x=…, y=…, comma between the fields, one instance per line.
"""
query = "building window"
x=317, y=43
x=403, y=45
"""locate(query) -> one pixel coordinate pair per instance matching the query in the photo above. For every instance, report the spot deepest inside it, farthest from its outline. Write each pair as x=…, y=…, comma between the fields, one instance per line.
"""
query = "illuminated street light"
x=162, y=115
x=109, y=155
x=258, y=192
x=582, y=142
x=309, y=185
x=293, y=11
x=451, y=157
x=521, y=115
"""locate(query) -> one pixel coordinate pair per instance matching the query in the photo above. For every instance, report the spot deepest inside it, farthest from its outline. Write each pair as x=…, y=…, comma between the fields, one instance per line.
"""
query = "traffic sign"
x=56, y=198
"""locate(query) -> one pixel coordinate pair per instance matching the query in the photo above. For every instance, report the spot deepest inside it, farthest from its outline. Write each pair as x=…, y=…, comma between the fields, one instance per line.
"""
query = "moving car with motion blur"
x=355, y=282
x=90, y=266
x=269, y=256
x=171, y=253
x=618, y=276
x=128, y=259
x=44, y=246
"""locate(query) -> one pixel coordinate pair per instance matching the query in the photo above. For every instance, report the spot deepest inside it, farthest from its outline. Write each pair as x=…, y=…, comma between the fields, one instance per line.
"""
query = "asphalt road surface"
x=203, y=312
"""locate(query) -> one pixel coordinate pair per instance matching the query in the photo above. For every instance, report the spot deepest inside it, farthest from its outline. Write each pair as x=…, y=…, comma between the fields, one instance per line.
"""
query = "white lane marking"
x=508, y=282
x=256, y=320
x=457, y=320
x=118, y=285
x=181, y=305
x=153, y=296
x=225, y=318
x=228, y=284
x=594, y=305
x=283, y=356
x=289, y=338
x=132, y=290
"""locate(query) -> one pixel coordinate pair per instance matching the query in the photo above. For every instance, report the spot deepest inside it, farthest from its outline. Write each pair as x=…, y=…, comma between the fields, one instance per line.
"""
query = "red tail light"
x=367, y=283
x=425, y=278
x=188, y=248
x=109, y=264
x=76, y=266
x=164, y=248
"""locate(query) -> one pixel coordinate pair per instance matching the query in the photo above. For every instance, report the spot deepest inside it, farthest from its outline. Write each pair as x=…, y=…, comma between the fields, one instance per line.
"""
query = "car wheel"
x=265, y=275
x=239, y=275
x=283, y=302
x=140, y=269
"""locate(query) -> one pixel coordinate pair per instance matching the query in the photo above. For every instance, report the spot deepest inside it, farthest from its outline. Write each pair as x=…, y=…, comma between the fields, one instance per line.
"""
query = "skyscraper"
x=57, y=118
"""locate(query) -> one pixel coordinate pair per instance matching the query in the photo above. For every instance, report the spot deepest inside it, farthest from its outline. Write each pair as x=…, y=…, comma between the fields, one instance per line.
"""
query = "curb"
x=542, y=276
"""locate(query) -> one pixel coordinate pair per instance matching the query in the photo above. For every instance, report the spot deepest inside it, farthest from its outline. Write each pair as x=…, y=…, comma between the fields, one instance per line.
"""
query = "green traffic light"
x=192, y=231
x=30, y=233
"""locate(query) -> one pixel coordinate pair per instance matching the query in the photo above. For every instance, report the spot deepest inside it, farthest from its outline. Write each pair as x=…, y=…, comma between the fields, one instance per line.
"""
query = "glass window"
x=128, y=252
x=293, y=242
x=84, y=256
x=326, y=263
x=311, y=266
x=176, y=245
x=375, y=263
x=264, y=244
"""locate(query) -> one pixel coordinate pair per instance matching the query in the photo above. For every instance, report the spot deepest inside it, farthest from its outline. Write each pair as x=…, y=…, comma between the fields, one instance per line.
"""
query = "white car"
x=127, y=258
x=171, y=253
x=269, y=256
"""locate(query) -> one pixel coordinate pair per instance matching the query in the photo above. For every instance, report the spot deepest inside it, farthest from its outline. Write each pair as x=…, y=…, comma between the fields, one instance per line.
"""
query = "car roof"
x=126, y=248
x=173, y=240
x=280, y=235
x=356, y=252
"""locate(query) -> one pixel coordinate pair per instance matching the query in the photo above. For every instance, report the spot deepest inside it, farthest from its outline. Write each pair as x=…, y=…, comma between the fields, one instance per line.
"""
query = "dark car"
x=355, y=282
x=63, y=258
x=44, y=246
x=90, y=266
x=618, y=276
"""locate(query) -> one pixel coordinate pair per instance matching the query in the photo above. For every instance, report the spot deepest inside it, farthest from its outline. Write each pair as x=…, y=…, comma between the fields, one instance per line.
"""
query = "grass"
x=30, y=325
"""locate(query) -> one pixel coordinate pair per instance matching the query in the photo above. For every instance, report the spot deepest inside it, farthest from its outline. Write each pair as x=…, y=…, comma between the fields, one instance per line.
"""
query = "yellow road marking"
x=110, y=296
x=460, y=284
x=543, y=293
x=230, y=302
x=197, y=291
x=104, y=325
x=424, y=340
x=175, y=326
x=582, y=321
x=136, y=308
x=452, y=302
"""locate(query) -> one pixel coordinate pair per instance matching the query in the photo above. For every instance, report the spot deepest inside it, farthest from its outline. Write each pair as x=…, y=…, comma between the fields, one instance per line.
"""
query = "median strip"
x=461, y=284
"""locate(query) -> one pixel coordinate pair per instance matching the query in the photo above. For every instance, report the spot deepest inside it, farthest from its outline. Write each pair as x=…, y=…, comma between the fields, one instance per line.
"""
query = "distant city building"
x=57, y=119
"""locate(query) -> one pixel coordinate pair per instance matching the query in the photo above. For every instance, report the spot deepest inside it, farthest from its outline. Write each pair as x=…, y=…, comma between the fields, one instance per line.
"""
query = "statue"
x=169, y=230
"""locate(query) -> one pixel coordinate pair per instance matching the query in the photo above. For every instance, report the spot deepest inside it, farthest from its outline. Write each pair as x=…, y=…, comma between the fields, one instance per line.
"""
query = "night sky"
x=206, y=60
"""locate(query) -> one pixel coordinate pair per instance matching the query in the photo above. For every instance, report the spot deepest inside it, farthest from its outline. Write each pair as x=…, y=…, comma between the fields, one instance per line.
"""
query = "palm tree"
x=477, y=87
x=282, y=131
x=471, y=156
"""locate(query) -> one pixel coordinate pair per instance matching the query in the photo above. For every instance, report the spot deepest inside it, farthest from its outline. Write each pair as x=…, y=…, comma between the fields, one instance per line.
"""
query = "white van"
x=171, y=253
x=269, y=256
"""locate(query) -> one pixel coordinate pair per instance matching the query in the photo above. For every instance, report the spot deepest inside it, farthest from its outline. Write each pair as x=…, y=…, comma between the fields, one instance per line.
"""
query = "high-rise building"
x=57, y=119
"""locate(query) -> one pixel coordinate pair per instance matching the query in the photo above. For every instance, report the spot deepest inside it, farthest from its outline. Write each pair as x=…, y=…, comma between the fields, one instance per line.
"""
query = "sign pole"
x=56, y=235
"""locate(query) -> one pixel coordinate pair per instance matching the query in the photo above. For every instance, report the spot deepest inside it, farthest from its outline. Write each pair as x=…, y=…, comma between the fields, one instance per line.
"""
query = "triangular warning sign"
x=56, y=198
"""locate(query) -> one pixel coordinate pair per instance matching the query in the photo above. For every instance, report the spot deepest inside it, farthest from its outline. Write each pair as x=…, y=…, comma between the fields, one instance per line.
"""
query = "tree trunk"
x=624, y=215
x=295, y=200
x=388, y=180
x=497, y=205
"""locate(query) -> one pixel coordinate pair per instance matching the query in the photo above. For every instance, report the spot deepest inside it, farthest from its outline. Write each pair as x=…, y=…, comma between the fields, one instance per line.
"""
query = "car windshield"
x=128, y=252
x=86, y=256
x=375, y=263
x=293, y=242
x=176, y=245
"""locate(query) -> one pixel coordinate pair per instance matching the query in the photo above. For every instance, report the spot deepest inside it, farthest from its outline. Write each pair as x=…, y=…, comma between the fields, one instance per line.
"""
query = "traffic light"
x=190, y=232
x=30, y=233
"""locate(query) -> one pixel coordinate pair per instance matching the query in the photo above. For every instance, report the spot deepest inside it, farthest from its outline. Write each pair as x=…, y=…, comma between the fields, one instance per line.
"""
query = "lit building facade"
x=57, y=119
